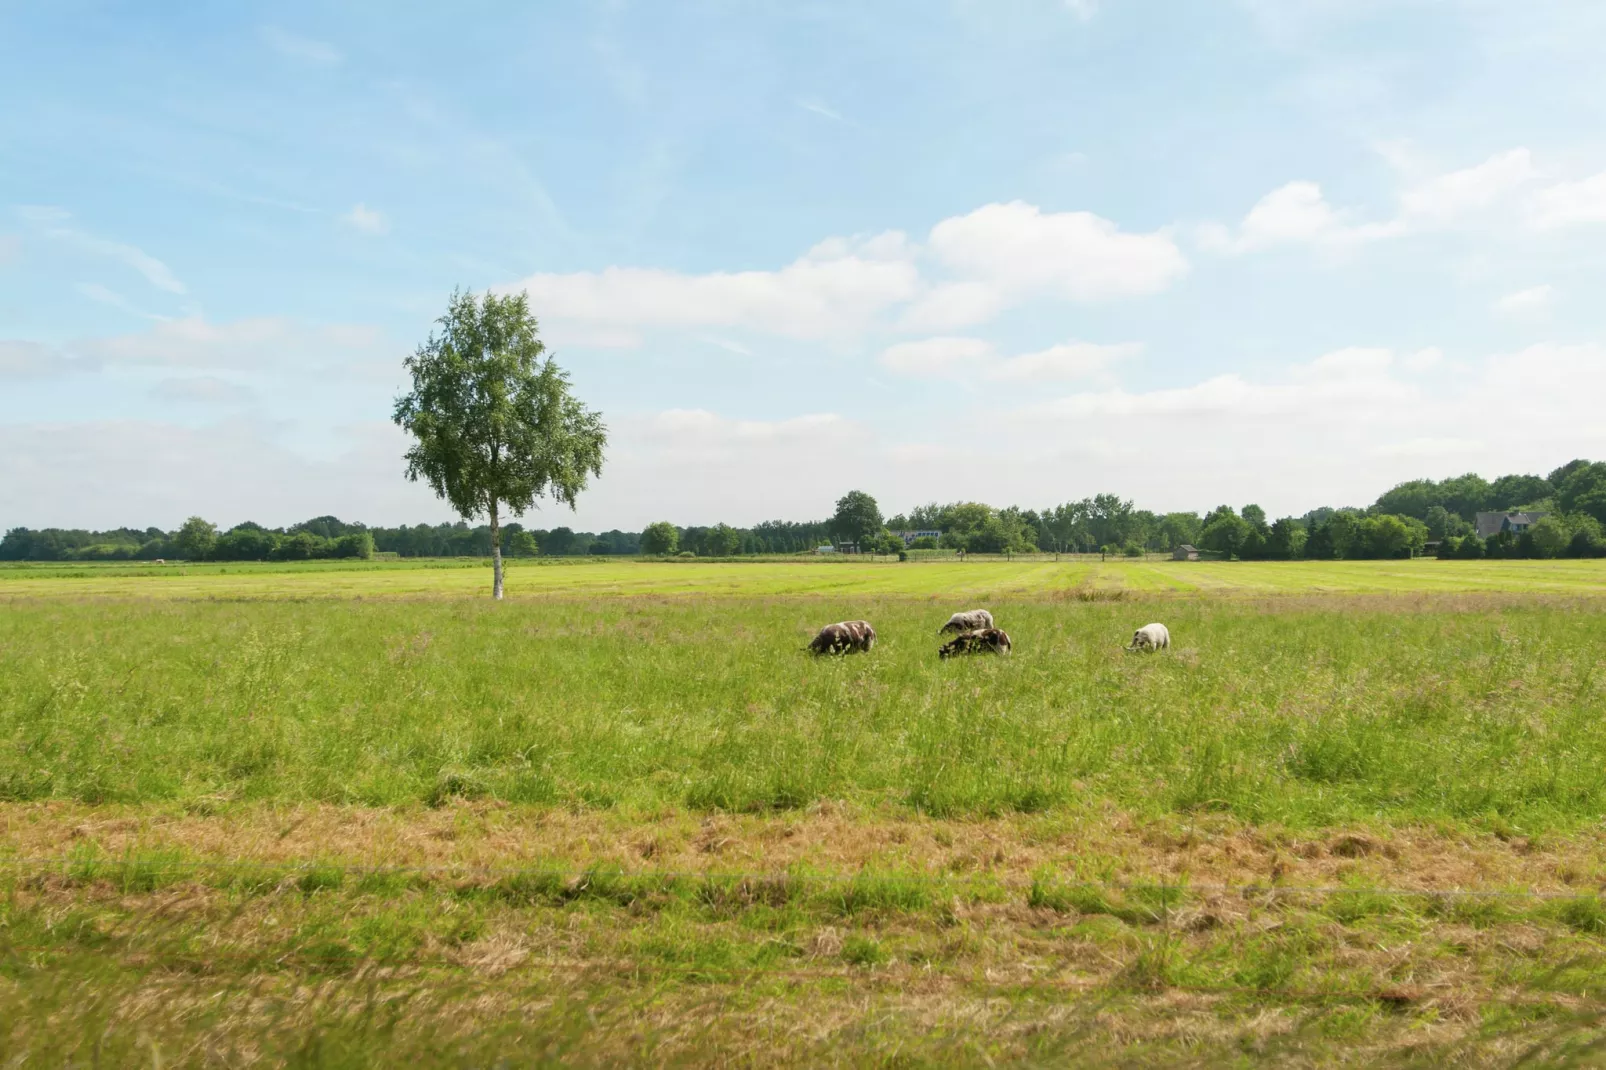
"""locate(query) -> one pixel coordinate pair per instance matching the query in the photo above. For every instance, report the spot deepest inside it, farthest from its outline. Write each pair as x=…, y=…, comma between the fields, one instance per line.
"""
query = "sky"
x=1192, y=252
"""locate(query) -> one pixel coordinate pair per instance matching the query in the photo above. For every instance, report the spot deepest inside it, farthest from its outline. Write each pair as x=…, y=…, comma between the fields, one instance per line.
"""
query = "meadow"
x=343, y=812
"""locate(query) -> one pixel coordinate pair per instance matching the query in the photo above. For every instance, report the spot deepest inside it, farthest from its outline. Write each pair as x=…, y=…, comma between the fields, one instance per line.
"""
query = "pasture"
x=346, y=812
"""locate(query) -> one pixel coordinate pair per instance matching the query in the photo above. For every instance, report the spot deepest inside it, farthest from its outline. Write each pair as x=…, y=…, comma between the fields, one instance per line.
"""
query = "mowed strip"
x=778, y=939
x=1024, y=576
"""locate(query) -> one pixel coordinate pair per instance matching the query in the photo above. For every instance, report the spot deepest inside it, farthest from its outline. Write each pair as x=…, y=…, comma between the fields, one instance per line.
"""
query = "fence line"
x=67, y=864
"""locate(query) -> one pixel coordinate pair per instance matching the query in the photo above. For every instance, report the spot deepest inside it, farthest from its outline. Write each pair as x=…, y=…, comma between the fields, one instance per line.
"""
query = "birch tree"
x=493, y=421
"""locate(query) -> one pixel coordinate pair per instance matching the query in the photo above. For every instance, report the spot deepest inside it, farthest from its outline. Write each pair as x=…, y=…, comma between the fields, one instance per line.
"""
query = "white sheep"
x=973, y=620
x=1151, y=637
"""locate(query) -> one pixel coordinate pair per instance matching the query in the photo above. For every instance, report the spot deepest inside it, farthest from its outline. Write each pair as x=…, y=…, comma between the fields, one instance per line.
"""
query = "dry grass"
x=1096, y=844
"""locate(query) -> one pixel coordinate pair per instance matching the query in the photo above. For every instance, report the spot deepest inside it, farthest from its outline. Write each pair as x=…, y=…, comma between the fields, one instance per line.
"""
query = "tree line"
x=1401, y=523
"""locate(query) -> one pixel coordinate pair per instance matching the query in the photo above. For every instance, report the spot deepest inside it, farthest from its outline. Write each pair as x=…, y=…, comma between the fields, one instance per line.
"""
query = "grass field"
x=337, y=814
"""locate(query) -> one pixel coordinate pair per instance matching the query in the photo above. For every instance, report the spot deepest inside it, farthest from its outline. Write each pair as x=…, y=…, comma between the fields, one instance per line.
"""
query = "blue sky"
x=1196, y=251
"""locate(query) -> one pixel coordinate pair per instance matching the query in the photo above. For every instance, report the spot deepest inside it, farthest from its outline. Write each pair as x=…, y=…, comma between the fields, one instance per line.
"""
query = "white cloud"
x=1536, y=300
x=10, y=249
x=103, y=473
x=33, y=360
x=973, y=358
x=836, y=288
x=954, y=305
x=728, y=346
x=365, y=219
x=688, y=426
x=939, y=358
x=991, y=258
x=1455, y=195
x=1335, y=430
x=1570, y=203
x=202, y=390
x=1299, y=212
x=1022, y=251
x=697, y=466
x=1071, y=360
x=1083, y=9
x=819, y=109
x=1424, y=360
x=53, y=224
x=301, y=48
x=106, y=296
x=268, y=344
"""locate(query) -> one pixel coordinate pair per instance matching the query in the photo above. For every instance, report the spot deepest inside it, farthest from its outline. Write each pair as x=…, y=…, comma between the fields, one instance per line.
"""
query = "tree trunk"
x=496, y=555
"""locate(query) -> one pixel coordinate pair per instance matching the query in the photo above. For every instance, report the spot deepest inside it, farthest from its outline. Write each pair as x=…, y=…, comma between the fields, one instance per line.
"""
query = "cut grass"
x=1039, y=576
x=208, y=957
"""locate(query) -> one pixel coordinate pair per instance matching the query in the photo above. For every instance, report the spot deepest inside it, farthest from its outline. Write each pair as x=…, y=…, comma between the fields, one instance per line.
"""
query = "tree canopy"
x=492, y=418
x=857, y=518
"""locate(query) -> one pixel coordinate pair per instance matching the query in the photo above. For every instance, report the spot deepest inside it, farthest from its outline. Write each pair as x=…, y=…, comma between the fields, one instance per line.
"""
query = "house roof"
x=1493, y=523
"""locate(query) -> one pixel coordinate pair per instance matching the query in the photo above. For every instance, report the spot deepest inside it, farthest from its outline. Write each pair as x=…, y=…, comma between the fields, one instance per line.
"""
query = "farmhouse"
x=1516, y=523
x=1185, y=552
x=909, y=537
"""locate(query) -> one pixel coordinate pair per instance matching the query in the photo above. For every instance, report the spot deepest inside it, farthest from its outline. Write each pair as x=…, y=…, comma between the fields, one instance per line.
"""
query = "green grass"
x=1304, y=712
x=651, y=830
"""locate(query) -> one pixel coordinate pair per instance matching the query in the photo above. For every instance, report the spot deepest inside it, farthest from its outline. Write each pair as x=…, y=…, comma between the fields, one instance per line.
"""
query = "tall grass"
x=1306, y=712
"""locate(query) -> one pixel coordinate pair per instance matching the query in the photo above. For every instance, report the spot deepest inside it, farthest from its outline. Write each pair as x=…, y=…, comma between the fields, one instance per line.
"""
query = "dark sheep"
x=980, y=641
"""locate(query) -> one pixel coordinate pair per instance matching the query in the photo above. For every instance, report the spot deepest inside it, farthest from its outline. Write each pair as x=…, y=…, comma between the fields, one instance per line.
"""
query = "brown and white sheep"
x=847, y=637
x=972, y=620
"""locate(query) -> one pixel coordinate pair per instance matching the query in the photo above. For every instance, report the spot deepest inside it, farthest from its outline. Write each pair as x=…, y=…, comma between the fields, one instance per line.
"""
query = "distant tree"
x=1589, y=536
x=1413, y=498
x=1551, y=536
x=195, y=539
x=1177, y=529
x=1255, y=516
x=857, y=518
x=660, y=537
x=1513, y=492
x=1225, y=534
x=302, y=546
x=492, y=418
x=1584, y=491
x=1465, y=496
x=1285, y=541
x=926, y=517
x=1559, y=476
x=564, y=542
x=1444, y=524
x=243, y=543
x=521, y=543
x=1389, y=536
x=358, y=544
x=721, y=540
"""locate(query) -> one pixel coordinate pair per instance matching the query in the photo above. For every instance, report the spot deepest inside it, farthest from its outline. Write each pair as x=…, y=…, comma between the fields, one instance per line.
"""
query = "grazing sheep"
x=978, y=641
x=1150, y=637
x=848, y=637
x=973, y=620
